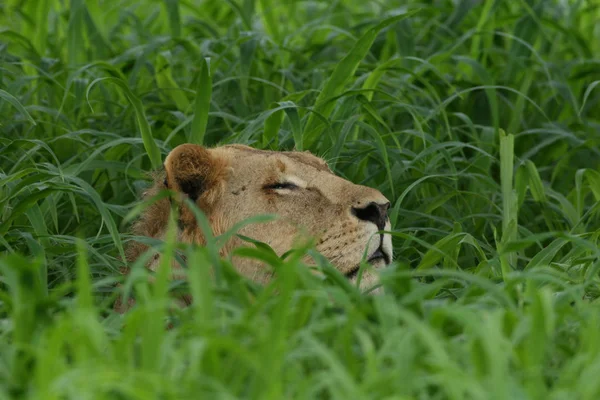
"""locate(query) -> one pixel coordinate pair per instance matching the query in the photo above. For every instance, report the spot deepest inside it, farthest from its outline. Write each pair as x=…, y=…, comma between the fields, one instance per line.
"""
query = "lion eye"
x=282, y=185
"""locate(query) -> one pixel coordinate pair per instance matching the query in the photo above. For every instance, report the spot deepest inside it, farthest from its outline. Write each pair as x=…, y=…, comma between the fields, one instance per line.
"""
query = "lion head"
x=234, y=182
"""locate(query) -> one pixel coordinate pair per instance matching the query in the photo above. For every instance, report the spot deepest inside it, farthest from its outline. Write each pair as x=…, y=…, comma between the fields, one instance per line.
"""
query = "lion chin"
x=234, y=182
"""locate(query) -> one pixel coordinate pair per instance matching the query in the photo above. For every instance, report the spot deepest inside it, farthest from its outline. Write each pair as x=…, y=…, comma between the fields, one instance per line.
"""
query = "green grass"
x=478, y=120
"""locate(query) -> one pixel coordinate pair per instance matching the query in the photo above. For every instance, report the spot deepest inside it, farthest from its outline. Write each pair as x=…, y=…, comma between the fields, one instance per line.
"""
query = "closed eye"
x=281, y=185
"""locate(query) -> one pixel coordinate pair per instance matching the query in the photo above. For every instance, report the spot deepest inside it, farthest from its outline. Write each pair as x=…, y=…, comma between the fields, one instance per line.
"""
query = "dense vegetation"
x=477, y=119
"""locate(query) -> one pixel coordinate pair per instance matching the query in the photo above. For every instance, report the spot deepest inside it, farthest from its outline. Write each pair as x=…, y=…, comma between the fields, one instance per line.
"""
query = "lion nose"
x=373, y=212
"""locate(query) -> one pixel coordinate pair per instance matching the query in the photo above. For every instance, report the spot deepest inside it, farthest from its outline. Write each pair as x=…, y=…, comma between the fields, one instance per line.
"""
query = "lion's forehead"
x=294, y=158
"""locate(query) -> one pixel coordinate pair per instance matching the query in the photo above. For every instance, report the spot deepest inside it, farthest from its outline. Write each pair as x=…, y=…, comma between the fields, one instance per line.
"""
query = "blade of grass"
x=172, y=8
x=509, y=199
x=202, y=104
x=343, y=71
x=165, y=81
x=140, y=114
x=75, y=37
x=13, y=100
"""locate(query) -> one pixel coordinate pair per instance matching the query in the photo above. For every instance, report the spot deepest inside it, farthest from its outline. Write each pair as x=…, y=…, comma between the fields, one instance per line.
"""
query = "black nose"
x=373, y=212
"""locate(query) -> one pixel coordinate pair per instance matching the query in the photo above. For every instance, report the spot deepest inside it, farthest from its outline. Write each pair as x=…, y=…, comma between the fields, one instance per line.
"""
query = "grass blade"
x=13, y=100
x=140, y=114
x=344, y=70
x=172, y=8
x=509, y=198
x=164, y=79
x=202, y=104
x=75, y=42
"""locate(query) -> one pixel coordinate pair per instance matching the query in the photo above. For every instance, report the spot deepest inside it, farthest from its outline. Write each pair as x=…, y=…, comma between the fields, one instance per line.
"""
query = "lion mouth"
x=377, y=256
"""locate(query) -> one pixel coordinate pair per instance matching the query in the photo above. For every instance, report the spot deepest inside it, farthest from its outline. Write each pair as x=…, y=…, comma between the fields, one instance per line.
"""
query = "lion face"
x=235, y=182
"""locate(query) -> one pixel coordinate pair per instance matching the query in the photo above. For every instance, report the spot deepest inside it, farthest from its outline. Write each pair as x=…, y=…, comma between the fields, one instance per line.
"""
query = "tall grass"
x=478, y=120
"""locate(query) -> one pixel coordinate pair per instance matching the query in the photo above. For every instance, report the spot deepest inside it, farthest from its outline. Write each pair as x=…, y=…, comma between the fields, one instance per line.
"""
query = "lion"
x=233, y=182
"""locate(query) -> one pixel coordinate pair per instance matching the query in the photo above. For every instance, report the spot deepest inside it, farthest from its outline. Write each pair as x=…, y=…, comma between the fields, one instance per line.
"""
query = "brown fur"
x=232, y=183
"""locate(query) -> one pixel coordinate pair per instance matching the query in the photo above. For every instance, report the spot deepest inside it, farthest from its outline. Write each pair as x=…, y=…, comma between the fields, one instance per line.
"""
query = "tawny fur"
x=232, y=183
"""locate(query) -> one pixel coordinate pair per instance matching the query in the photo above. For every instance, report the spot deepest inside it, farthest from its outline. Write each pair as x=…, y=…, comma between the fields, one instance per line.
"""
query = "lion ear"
x=194, y=171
